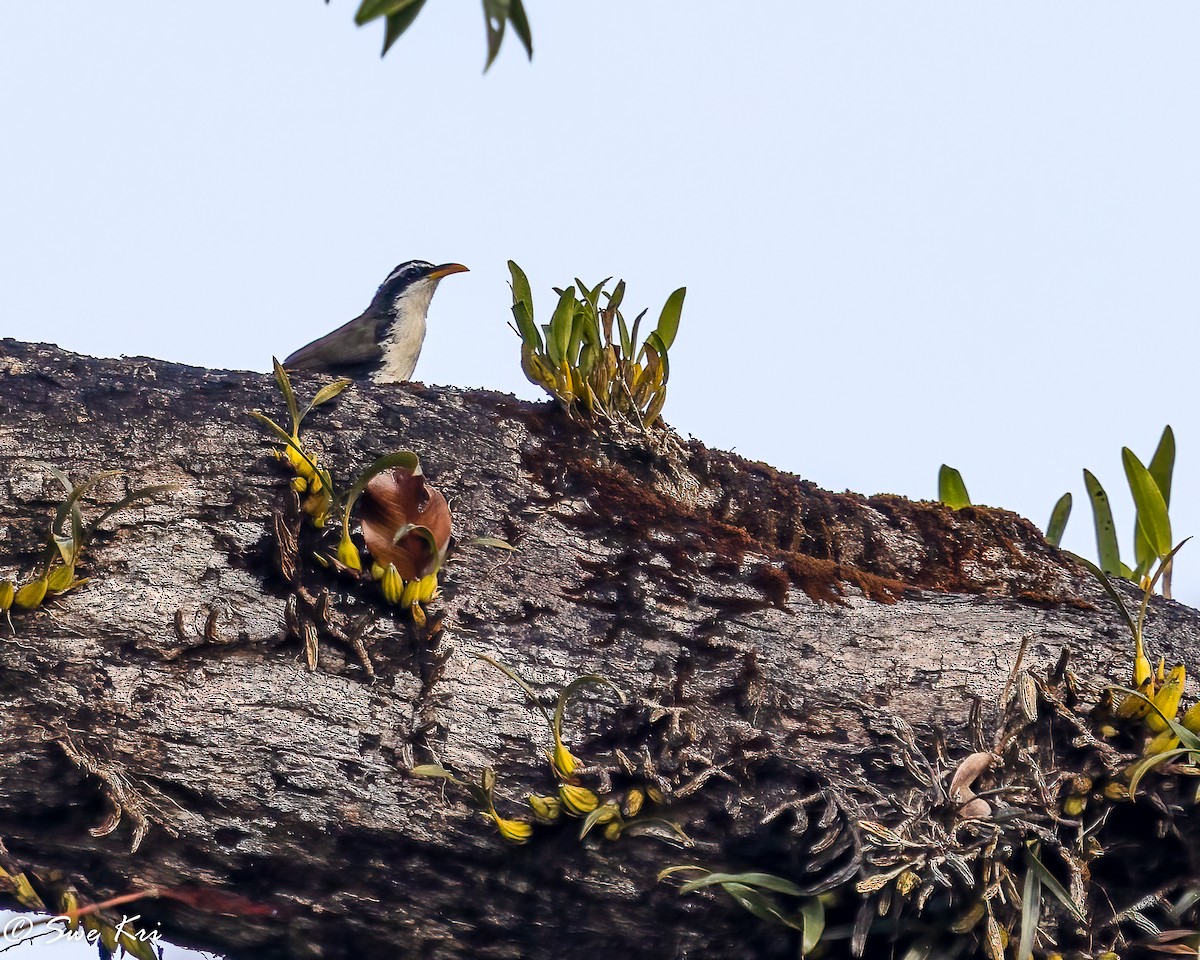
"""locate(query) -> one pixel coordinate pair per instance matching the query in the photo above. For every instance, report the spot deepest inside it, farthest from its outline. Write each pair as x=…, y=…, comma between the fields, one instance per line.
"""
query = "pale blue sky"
x=911, y=232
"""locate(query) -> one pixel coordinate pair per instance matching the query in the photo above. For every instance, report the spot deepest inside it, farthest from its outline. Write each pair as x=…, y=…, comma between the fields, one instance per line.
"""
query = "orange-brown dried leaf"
x=396, y=499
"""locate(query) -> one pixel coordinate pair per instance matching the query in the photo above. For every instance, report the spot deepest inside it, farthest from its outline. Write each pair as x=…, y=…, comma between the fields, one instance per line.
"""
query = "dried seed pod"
x=309, y=631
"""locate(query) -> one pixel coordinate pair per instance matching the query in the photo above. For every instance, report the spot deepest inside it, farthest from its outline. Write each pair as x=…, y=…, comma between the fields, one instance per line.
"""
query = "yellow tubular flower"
x=392, y=585
x=514, y=831
x=1167, y=700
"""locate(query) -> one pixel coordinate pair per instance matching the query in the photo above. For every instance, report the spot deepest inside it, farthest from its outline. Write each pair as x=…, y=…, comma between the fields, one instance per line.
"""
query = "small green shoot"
x=952, y=491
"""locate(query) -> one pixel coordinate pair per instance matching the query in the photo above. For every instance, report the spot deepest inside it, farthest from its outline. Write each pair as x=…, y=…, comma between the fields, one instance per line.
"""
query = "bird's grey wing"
x=349, y=345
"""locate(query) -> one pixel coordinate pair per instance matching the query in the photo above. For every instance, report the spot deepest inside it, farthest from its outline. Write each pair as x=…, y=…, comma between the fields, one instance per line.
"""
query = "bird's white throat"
x=402, y=343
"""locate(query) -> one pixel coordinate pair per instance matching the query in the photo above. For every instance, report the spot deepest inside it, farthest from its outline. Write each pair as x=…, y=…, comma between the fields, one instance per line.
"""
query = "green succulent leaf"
x=668, y=320
x=1050, y=882
x=520, y=22
x=766, y=881
x=289, y=396
x=374, y=9
x=561, y=324
x=398, y=23
x=495, y=16
x=1106, y=531
x=758, y=904
x=1152, y=517
x=327, y=393
x=812, y=917
x=952, y=491
x=1058, y=520
x=1031, y=910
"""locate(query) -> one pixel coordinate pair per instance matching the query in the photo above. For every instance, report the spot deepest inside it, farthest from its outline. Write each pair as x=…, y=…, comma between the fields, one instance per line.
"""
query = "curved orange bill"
x=446, y=269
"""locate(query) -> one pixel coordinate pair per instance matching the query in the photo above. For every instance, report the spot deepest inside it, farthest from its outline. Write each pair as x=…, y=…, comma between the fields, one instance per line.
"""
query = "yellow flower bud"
x=612, y=831
x=418, y=615
x=31, y=595
x=377, y=571
x=562, y=760
x=299, y=484
x=391, y=584
x=7, y=592
x=633, y=802
x=545, y=809
x=1074, y=805
x=347, y=554
x=514, y=831
x=427, y=588
x=577, y=801
x=409, y=597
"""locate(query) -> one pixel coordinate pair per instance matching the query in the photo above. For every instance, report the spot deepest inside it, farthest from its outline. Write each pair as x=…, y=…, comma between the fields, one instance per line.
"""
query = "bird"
x=384, y=342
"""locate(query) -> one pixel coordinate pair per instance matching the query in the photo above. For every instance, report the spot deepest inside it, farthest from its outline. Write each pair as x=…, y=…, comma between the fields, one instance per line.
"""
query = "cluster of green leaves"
x=753, y=891
x=66, y=540
x=398, y=16
x=589, y=358
x=1150, y=487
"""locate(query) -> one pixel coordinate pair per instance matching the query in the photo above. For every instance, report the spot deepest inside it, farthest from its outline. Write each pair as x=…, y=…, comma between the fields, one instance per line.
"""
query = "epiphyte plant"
x=1150, y=487
x=589, y=358
x=616, y=815
x=66, y=540
x=406, y=523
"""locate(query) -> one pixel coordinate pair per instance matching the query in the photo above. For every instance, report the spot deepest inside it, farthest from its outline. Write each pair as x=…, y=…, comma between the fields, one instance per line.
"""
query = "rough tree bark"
x=766, y=632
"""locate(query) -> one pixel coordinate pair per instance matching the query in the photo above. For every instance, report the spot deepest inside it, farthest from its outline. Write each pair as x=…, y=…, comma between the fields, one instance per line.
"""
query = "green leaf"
x=495, y=16
x=1031, y=909
x=1050, y=882
x=1106, y=531
x=374, y=9
x=70, y=505
x=285, y=387
x=767, y=881
x=1162, y=464
x=520, y=23
x=588, y=680
x=1152, y=516
x=951, y=489
x=494, y=542
x=633, y=334
x=812, y=915
x=626, y=340
x=397, y=23
x=1144, y=766
x=1058, y=520
x=520, y=284
x=1106, y=583
x=668, y=320
x=142, y=493
x=757, y=904
x=561, y=323
x=327, y=393
x=516, y=678
x=433, y=771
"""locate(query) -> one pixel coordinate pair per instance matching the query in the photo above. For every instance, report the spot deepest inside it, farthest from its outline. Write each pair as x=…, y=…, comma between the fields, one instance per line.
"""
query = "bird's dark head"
x=407, y=278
